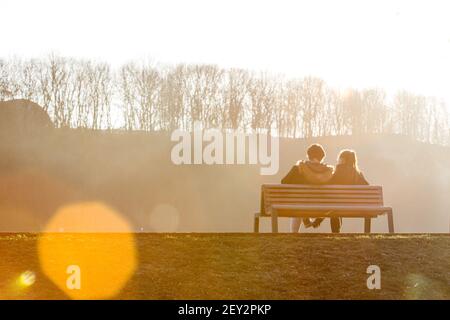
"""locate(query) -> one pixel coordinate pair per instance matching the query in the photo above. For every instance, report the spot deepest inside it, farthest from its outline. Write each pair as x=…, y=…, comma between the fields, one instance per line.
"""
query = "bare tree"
x=261, y=91
x=236, y=98
x=141, y=86
x=374, y=111
x=172, y=102
x=203, y=92
x=410, y=110
x=78, y=93
x=311, y=105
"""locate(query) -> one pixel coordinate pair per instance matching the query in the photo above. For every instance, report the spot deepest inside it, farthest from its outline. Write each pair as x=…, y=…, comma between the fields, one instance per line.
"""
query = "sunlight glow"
x=419, y=287
x=27, y=279
x=394, y=44
x=92, y=263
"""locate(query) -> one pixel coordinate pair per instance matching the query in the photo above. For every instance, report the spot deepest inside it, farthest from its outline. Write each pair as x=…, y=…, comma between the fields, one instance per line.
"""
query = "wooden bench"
x=322, y=201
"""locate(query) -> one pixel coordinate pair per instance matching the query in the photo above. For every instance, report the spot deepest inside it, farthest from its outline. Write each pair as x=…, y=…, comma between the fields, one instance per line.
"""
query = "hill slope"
x=132, y=172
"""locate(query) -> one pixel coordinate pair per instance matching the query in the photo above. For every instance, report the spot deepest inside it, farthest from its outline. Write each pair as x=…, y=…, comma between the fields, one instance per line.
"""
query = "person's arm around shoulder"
x=335, y=177
x=362, y=179
x=299, y=165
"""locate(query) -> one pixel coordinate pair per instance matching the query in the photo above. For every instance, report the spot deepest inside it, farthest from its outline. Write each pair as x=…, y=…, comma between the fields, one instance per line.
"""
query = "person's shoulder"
x=294, y=168
x=327, y=167
x=300, y=164
x=362, y=179
x=340, y=170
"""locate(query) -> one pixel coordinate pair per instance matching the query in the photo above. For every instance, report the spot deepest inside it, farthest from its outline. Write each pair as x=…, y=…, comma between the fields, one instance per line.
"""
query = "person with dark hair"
x=311, y=171
x=346, y=172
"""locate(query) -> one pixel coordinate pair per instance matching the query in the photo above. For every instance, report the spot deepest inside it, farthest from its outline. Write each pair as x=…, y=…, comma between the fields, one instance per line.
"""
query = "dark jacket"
x=307, y=172
x=345, y=174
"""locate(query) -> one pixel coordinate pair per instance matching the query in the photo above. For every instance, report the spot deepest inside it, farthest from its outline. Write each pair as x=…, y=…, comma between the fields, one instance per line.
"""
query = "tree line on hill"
x=151, y=97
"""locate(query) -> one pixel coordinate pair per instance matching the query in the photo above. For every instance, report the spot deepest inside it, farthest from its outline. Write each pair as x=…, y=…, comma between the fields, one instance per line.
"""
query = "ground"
x=249, y=266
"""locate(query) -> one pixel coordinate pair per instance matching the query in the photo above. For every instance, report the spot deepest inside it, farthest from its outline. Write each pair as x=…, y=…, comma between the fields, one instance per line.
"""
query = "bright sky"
x=391, y=44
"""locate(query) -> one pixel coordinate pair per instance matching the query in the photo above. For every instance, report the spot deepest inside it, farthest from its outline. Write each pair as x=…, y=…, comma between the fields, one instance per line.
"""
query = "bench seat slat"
x=322, y=214
x=330, y=208
x=324, y=200
x=320, y=187
x=330, y=202
x=328, y=191
x=274, y=195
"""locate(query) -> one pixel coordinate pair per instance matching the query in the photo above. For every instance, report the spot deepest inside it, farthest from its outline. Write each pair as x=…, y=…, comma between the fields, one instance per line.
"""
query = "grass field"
x=249, y=266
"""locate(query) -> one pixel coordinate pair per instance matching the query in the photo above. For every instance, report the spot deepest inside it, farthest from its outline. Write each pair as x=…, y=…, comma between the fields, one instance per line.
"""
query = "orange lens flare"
x=96, y=255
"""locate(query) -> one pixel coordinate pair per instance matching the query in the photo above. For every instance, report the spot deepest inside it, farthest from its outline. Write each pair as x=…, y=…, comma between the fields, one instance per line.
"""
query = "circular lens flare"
x=95, y=255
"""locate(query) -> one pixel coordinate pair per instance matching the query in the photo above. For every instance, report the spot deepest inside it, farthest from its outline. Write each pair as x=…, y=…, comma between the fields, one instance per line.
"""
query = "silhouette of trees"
x=261, y=90
x=172, y=112
x=235, y=97
x=203, y=85
x=148, y=97
x=74, y=93
x=140, y=90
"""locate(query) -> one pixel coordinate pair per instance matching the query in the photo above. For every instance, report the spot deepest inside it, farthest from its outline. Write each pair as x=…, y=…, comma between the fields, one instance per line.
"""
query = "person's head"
x=315, y=152
x=348, y=158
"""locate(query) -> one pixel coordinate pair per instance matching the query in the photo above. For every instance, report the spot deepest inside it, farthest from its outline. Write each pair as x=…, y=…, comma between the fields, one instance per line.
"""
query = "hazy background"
x=132, y=172
x=115, y=77
x=395, y=44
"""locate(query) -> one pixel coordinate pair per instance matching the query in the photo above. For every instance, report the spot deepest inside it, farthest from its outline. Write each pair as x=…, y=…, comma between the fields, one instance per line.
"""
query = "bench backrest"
x=333, y=195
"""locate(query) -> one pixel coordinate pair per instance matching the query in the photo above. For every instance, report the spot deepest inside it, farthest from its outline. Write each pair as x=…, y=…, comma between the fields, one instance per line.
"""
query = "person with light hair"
x=347, y=173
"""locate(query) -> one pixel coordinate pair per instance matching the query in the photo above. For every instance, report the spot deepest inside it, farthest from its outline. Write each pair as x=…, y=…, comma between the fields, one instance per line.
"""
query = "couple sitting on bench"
x=313, y=171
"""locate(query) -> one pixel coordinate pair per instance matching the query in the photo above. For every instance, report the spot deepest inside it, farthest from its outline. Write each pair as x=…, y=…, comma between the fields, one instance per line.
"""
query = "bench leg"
x=336, y=224
x=256, y=223
x=390, y=221
x=274, y=222
x=367, y=222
